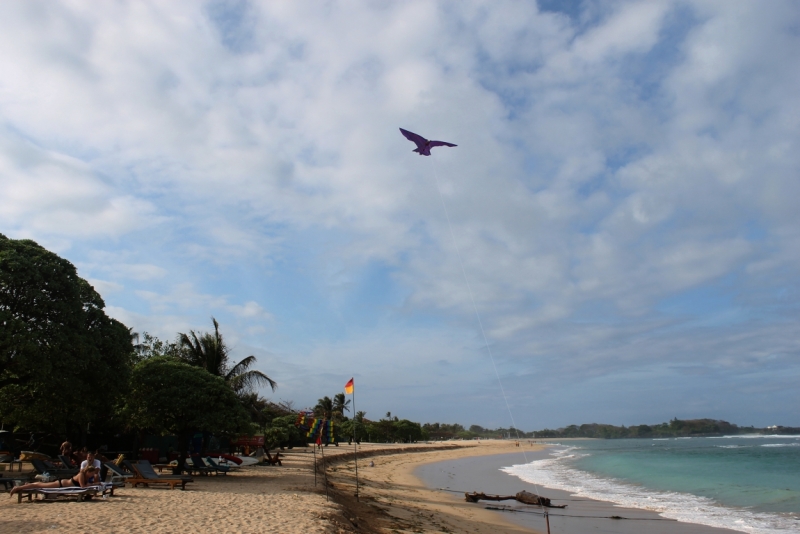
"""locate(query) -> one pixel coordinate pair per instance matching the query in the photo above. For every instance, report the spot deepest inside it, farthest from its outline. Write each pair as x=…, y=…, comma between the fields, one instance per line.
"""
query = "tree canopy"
x=168, y=396
x=63, y=361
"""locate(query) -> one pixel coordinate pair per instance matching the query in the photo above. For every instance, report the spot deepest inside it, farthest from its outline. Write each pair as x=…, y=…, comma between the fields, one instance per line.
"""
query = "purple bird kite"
x=423, y=145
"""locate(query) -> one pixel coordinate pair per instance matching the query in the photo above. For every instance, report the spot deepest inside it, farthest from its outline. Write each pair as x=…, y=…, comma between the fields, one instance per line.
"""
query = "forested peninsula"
x=676, y=428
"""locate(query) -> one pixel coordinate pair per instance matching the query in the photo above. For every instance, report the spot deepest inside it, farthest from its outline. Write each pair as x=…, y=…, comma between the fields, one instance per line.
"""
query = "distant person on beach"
x=66, y=449
x=81, y=480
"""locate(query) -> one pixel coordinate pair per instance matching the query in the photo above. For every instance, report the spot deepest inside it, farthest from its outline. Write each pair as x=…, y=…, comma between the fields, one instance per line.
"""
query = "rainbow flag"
x=313, y=427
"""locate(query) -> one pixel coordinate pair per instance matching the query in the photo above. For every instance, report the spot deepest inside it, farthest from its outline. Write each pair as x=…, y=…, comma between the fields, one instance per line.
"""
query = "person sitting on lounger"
x=66, y=448
x=91, y=459
x=81, y=480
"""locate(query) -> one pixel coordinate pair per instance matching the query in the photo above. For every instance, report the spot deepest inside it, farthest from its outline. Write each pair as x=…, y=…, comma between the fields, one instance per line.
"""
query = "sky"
x=615, y=239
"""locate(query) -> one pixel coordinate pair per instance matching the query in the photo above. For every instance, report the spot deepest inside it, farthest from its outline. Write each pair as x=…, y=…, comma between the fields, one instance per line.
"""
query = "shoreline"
x=581, y=515
x=393, y=499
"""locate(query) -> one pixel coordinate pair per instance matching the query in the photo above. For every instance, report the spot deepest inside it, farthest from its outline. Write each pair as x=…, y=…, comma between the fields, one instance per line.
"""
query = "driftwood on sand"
x=525, y=497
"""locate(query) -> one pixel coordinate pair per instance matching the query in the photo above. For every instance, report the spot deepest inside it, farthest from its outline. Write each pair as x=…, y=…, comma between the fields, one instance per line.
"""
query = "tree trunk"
x=524, y=497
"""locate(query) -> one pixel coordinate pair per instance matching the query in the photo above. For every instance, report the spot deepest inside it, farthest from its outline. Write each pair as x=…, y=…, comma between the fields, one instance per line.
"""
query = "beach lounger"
x=194, y=463
x=51, y=493
x=224, y=469
x=43, y=466
x=147, y=476
x=117, y=473
x=80, y=493
x=129, y=466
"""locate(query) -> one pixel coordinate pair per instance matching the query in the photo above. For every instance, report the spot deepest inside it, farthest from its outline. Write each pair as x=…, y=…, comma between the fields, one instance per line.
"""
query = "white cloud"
x=48, y=193
x=252, y=167
x=104, y=287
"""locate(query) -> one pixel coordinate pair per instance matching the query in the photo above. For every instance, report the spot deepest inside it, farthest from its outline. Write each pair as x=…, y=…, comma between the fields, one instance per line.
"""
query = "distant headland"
x=673, y=429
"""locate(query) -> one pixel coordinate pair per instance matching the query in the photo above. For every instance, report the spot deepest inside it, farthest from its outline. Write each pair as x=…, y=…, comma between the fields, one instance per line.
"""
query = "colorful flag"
x=348, y=388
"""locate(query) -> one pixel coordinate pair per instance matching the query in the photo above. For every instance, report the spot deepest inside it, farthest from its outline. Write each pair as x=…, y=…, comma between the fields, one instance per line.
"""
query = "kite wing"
x=414, y=138
x=439, y=143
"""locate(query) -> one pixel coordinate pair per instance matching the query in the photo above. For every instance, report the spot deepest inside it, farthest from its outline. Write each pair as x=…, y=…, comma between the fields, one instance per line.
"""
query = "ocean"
x=745, y=483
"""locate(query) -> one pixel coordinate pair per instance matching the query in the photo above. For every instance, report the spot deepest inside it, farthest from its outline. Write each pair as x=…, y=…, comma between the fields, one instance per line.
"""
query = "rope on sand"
x=504, y=509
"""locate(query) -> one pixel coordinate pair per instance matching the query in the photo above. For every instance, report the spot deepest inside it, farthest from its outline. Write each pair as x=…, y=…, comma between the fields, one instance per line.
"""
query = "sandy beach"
x=255, y=499
x=278, y=499
x=392, y=498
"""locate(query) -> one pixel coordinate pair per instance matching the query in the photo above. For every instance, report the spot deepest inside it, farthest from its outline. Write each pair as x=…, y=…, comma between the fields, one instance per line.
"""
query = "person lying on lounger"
x=81, y=480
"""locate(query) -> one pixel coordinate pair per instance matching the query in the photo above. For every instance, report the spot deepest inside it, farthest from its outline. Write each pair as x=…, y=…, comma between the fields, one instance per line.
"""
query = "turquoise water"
x=747, y=483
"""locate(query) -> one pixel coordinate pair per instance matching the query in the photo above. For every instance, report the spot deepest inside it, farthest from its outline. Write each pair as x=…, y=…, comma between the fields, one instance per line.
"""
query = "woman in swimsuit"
x=81, y=480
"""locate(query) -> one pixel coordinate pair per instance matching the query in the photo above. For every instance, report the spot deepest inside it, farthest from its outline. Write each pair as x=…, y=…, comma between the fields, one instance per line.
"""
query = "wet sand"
x=483, y=474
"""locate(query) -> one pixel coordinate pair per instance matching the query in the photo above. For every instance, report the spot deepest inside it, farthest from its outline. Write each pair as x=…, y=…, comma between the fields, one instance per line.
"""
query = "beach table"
x=11, y=463
x=161, y=467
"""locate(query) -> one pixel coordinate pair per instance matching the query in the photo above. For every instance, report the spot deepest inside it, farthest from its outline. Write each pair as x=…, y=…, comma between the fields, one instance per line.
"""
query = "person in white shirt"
x=91, y=459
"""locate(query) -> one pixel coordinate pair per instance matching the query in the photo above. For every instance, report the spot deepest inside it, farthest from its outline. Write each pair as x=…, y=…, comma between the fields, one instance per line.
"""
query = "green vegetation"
x=394, y=430
x=675, y=428
x=169, y=397
x=67, y=369
x=210, y=352
x=63, y=361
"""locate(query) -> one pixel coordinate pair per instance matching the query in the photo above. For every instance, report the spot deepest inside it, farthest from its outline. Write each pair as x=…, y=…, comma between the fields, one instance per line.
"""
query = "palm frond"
x=208, y=350
x=241, y=367
x=249, y=380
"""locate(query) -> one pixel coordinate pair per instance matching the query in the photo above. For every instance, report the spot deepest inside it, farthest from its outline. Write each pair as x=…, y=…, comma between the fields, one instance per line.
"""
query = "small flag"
x=348, y=388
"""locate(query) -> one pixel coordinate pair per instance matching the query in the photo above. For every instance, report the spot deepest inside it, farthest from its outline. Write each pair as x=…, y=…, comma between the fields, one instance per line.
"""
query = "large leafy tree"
x=209, y=351
x=169, y=397
x=63, y=361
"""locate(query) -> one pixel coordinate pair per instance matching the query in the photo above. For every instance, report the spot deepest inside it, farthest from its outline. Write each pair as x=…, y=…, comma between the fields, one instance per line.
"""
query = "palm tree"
x=324, y=408
x=209, y=351
x=340, y=405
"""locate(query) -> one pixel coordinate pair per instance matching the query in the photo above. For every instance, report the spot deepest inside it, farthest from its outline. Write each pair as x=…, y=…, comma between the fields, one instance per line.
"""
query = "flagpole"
x=355, y=435
x=324, y=471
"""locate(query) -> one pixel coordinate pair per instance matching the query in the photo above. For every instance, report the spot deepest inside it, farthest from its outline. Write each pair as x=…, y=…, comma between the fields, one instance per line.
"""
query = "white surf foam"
x=556, y=473
x=757, y=436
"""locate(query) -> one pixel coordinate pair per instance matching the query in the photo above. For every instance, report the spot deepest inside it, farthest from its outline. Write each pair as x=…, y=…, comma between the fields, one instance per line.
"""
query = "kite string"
x=483, y=332
x=475, y=306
